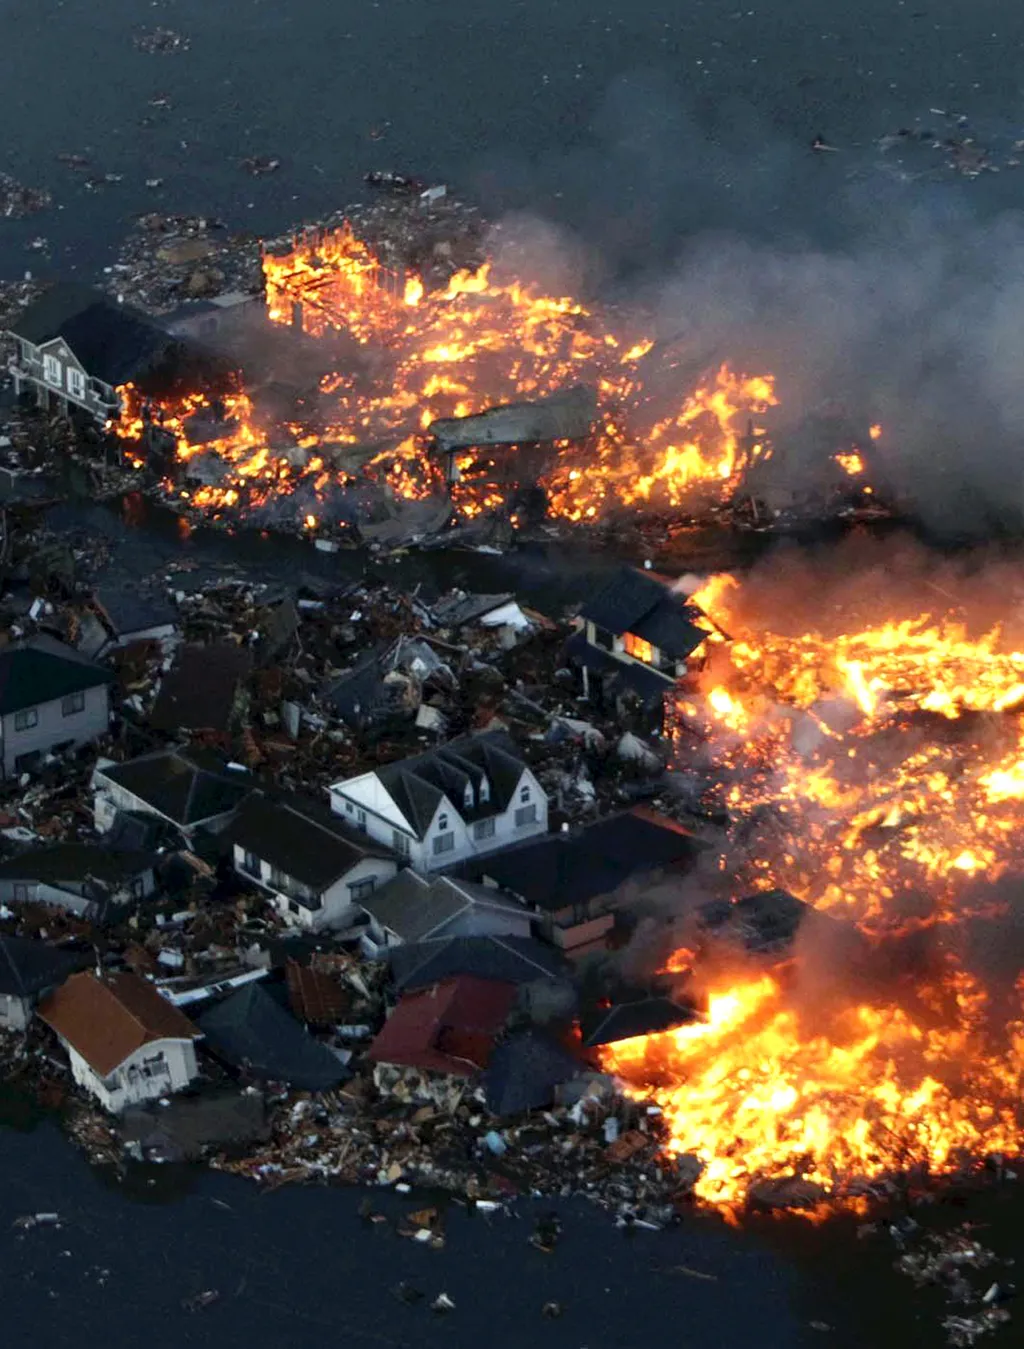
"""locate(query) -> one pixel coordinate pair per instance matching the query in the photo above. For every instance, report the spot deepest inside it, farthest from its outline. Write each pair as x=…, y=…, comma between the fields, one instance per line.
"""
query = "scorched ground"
x=874, y=769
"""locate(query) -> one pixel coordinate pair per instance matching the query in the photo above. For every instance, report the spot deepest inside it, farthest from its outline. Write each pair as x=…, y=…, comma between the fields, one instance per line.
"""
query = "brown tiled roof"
x=316, y=997
x=105, y=1020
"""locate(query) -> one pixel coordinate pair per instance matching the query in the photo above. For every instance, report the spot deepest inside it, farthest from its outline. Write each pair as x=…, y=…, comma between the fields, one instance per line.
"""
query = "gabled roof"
x=641, y=1016
x=764, y=922
x=638, y=602
x=113, y=342
x=42, y=670
x=559, y=870
x=28, y=966
x=76, y=862
x=448, y=1028
x=414, y=909
x=314, y=995
x=252, y=1031
x=458, y=608
x=515, y=960
x=199, y=690
x=186, y=788
x=417, y=785
x=301, y=838
x=524, y=1070
x=106, y=1020
x=127, y=611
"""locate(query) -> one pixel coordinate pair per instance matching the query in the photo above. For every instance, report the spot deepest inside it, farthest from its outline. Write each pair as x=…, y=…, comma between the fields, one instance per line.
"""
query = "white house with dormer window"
x=470, y=797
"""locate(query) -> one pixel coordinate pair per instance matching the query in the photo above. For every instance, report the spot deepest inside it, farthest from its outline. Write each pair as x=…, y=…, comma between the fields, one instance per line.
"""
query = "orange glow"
x=638, y=648
x=844, y=788
x=456, y=352
x=851, y=462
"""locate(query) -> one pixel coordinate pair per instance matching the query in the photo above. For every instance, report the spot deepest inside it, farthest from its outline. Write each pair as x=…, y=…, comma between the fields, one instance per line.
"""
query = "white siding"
x=15, y=1013
x=53, y=727
x=128, y=1084
x=337, y=909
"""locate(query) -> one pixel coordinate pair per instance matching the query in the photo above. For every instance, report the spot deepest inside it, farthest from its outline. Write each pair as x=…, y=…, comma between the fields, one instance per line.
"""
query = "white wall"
x=337, y=909
x=15, y=1013
x=127, y=1086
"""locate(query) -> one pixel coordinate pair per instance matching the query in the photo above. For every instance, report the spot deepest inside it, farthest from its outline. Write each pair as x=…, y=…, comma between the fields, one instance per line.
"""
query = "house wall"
x=63, y=376
x=337, y=908
x=15, y=1013
x=54, y=728
x=483, y=922
x=421, y=853
x=129, y=1084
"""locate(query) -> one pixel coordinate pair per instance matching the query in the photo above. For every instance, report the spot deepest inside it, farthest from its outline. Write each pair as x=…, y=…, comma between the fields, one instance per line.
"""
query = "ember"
x=862, y=770
x=451, y=353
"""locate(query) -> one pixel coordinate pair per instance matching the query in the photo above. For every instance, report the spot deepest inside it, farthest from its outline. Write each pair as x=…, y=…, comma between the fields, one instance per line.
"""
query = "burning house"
x=75, y=348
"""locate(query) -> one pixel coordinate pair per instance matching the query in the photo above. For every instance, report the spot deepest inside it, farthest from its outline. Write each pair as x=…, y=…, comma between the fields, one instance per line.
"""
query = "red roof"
x=106, y=1020
x=447, y=1028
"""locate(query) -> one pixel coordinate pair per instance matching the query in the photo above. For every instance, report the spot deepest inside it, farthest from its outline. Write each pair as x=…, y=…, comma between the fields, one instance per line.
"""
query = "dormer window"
x=484, y=790
x=467, y=795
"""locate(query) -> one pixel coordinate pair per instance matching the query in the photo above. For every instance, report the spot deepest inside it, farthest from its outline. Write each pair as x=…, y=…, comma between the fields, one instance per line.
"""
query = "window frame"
x=443, y=843
x=53, y=371
x=358, y=890
x=484, y=829
x=526, y=815
x=72, y=703
x=75, y=382
x=21, y=719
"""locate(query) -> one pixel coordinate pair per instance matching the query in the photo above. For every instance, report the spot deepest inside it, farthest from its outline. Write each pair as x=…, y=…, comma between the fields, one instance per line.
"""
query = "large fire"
x=454, y=352
x=876, y=773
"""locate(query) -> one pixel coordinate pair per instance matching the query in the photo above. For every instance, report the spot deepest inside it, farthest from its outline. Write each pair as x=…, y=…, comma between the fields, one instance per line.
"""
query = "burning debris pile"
x=871, y=765
x=428, y=372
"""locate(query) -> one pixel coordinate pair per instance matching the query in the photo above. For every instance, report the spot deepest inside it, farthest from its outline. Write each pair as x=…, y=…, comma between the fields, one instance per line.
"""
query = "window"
x=137, y=887
x=360, y=889
x=444, y=843
x=20, y=893
x=401, y=843
x=485, y=790
x=638, y=648
x=442, y=822
x=251, y=864
x=52, y=371
x=76, y=383
x=483, y=829
x=294, y=907
x=349, y=807
x=467, y=796
x=526, y=815
x=24, y=721
x=524, y=795
x=361, y=820
x=73, y=703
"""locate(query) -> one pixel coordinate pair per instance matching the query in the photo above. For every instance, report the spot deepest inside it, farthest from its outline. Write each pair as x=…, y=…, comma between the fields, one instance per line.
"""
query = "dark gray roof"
x=764, y=922
x=418, y=784
x=28, y=967
x=199, y=690
x=567, y=415
x=452, y=611
x=524, y=1070
x=113, y=342
x=413, y=908
x=633, y=601
x=301, y=838
x=560, y=870
x=624, y=1020
x=187, y=788
x=252, y=1031
x=75, y=862
x=129, y=611
x=514, y=960
x=42, y=670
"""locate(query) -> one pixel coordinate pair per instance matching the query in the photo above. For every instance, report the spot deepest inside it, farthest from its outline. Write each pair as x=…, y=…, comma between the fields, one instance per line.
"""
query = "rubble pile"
x=169, y=259
x=18, y=201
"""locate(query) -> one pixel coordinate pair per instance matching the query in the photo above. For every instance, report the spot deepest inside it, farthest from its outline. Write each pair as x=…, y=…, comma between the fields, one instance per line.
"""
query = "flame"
x=844, y=789
x=456, y=352
x=851, y=462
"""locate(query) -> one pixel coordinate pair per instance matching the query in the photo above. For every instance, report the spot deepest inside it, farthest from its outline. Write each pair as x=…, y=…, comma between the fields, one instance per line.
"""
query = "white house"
x=316, y=868
x=411, y=909
x=82, y=878
x=51, y=698
x=469, y=797
x=126, y=1043
x=187, y=790
x=29, y=970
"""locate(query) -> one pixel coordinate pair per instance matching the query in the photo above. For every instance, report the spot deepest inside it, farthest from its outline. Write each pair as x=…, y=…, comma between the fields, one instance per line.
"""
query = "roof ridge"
x=19, y=982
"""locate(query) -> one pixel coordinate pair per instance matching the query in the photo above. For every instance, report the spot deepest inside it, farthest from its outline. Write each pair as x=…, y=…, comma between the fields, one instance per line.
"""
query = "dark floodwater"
x=639, y=124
